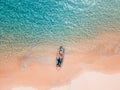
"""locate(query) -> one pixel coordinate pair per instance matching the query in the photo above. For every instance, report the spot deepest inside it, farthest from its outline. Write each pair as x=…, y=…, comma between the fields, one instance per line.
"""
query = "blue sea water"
x=27, y=23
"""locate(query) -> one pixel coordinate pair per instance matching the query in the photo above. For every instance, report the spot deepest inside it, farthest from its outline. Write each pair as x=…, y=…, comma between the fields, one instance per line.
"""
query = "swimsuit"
x=59, y=62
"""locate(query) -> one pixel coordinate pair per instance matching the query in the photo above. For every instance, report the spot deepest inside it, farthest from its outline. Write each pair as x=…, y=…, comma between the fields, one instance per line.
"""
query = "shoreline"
x=40, y=66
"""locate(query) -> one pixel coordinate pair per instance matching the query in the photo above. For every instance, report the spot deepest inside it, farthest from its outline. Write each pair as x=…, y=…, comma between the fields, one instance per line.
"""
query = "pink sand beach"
x=94, y=68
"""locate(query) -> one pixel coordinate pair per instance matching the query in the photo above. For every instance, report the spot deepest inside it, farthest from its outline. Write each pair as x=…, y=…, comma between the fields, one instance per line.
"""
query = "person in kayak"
x=60, y=56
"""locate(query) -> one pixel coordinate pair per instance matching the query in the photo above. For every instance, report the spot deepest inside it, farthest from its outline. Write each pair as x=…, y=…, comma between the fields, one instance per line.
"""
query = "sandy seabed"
x=95, y=68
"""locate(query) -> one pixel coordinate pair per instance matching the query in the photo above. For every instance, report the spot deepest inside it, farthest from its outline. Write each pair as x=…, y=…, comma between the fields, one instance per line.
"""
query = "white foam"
x=93, y=81
x=24, y=88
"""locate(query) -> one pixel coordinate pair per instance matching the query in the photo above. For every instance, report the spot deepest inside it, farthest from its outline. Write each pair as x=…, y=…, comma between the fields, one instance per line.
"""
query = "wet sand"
x=36, y=68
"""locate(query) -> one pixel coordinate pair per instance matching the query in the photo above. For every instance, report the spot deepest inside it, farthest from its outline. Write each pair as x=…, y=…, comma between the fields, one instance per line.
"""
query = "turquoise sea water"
x=27, y=23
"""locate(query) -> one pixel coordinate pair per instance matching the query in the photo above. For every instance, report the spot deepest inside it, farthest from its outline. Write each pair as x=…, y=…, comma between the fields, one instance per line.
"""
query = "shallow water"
x=28, y=23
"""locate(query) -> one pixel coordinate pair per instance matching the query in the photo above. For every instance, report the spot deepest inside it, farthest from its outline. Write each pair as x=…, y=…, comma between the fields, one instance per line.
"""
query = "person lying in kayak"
x=60, y=56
